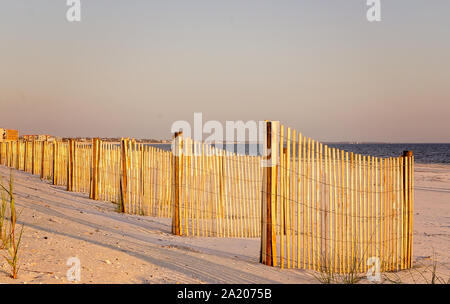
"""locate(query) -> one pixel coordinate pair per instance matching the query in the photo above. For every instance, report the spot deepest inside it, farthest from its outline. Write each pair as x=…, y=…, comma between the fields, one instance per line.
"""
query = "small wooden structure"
x=8, y=135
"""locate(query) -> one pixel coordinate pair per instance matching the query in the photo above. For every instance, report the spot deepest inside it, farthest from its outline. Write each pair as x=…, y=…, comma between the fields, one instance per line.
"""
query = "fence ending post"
x=408, y=197
x=177, y=154
x=269, y=188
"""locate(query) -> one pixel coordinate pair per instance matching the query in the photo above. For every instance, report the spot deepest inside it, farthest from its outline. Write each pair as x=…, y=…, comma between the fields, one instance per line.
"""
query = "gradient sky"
x=132, y=68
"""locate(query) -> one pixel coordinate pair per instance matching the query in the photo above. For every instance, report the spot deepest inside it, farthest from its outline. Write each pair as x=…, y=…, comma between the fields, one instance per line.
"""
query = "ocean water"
x=423, y=153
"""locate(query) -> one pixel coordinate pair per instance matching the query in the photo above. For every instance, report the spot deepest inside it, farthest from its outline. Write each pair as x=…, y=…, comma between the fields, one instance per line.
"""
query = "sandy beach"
x=122, y=248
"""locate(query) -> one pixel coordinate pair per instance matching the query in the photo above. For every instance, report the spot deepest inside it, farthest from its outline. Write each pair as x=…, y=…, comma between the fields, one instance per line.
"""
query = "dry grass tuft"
x=10, y=241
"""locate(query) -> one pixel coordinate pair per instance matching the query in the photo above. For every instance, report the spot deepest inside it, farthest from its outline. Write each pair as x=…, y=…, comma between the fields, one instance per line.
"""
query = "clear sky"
x=132, y=68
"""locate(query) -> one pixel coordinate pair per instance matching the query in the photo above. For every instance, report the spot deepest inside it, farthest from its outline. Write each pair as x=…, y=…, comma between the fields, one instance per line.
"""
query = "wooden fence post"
x=33, y=152
x=3, y=153
x=93, y=193
x=54, y=162
x=408, y=179
x=18, y=154
x=222, y=179
x=10, y=152
x=70, y=171
x=25, y=152
x=268, y=254
x=43, y=159
x=177, y=155
x=93, y=169
x=124, y=175
x=7, y=155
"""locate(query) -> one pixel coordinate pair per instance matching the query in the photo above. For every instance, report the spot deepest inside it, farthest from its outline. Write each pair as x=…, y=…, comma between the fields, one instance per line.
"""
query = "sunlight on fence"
x=331, y=210
x=314, y=207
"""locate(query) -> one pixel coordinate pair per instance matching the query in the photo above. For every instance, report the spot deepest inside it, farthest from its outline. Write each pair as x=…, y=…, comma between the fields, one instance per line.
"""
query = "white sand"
x=118, y=248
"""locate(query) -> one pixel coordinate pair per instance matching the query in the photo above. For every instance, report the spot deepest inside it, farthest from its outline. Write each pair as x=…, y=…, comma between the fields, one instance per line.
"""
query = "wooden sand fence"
x=49, y=160
x=216, y=193
x=330, y=210
x=145, y=179
x=314, y=207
